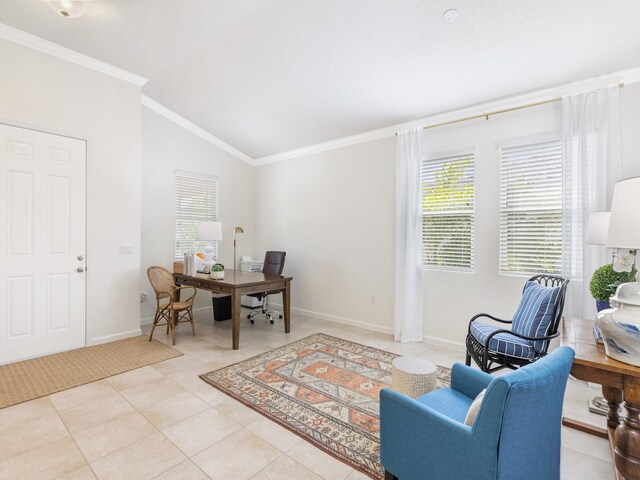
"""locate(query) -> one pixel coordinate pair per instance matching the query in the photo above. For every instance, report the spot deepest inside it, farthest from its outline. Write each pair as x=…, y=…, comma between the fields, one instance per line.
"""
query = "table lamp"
x=620, y=325
x=597, y=228
x=236, y=230
x=209, y=232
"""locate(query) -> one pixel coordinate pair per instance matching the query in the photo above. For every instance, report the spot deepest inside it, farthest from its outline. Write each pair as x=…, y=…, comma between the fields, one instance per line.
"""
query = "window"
x=531, y=208
x=448, y=194
x=196, y=201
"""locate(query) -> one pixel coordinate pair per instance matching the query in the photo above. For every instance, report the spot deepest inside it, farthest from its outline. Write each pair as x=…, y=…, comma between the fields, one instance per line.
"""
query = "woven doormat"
x=322, y=388
x=38, y=377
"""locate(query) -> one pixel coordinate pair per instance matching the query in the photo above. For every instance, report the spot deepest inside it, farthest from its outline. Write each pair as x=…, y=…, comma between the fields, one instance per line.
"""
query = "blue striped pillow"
x=535, y=312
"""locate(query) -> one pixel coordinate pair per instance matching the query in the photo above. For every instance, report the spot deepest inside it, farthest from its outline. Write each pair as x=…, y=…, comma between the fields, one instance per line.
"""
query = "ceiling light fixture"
x=450, y=15
x=67, y=8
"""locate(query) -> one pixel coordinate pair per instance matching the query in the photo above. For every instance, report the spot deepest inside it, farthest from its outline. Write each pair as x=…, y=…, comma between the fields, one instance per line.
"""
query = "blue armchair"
x=516, y=434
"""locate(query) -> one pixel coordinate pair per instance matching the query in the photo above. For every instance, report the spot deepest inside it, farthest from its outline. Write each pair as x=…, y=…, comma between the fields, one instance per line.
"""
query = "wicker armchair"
x=533, y=326
x=173, y=311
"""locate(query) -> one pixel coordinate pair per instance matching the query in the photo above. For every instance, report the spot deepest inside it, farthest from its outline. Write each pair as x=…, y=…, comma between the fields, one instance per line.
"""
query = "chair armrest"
x=524, y=337
x=416, y=438
x=177, y=289
x=488, y=316
x=468, y=380
x=480, y=315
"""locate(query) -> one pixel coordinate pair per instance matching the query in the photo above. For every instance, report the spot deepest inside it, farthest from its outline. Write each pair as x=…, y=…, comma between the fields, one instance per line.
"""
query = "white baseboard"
x=149, y=320
x=114, y=337
x=334, y=318
x=442, y=342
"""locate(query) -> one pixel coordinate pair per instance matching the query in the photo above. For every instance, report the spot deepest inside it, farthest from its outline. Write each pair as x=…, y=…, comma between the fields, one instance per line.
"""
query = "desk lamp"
x=209, y=232
x=236, y=230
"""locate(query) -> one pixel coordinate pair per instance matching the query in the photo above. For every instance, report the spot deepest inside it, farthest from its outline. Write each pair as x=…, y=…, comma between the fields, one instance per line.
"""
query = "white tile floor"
x=163, y=422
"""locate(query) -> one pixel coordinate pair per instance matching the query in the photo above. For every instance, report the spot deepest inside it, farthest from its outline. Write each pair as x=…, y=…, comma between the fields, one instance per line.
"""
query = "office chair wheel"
x=280, y=316
x=271, y=321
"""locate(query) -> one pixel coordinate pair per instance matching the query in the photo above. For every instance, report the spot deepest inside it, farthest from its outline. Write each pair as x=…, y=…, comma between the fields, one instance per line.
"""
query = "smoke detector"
x=450, y=15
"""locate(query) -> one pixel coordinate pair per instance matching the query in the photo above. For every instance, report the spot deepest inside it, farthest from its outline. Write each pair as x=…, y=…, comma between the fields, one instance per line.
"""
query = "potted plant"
x=217, y=271
x=604, y=282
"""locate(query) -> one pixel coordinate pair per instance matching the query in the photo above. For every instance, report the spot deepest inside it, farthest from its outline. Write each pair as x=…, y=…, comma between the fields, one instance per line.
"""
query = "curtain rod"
x=495, y=112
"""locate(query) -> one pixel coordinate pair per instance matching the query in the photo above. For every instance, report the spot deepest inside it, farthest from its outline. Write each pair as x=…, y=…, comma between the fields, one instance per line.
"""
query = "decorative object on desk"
x=604, y=282
x=189, y=264
x=178, y=267
x=620, y=325
x=323, y=389
x=217, y=271
x=209, y=232
x=236, y=230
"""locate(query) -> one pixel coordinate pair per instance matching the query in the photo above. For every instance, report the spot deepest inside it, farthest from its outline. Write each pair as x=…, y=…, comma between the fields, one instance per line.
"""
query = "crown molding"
x=195, y=129
x=552, y=93
x=40, y=44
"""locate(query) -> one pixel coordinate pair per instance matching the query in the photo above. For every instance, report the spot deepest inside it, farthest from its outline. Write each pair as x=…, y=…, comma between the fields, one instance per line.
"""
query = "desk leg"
x=627, y=435
x=235, y=318
x=286, y=305
x=614, y=399
x=174, y=317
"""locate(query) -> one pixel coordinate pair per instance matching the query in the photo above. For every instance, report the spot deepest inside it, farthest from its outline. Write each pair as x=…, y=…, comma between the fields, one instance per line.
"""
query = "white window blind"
x=448, y=197
x=196, y=201
x=531, y=208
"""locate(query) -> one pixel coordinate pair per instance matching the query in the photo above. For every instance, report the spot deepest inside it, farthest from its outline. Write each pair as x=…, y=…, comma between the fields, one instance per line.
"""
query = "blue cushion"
x=535, y=312
x=503, y=342
x=449, y=402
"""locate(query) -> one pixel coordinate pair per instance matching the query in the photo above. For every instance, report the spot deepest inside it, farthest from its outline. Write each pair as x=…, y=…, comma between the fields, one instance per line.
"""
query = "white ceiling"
x=267, y=76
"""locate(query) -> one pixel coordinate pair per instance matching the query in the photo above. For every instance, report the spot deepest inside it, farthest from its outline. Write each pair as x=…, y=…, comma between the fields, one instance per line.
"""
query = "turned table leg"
x=614, y=399
x=627, y=435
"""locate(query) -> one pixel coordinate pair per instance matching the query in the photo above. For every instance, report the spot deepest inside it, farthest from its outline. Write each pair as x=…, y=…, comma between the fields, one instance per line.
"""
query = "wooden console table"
x=238, y=283
x=620, y=382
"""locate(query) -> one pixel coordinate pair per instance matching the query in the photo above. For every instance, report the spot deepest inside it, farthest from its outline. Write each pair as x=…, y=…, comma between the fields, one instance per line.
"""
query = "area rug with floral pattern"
x=322, y=388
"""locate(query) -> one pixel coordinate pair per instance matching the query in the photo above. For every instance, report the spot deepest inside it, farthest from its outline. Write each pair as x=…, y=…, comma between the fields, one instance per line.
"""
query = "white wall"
x=52, y=95
x=165, y=148
x=334, y=213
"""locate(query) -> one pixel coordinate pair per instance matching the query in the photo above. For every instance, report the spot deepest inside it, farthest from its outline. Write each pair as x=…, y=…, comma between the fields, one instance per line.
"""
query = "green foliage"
x=605, y=280
x=448, y=189
x=218, y=267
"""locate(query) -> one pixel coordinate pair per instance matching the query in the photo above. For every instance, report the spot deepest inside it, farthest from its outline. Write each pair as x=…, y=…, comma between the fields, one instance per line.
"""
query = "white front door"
x=42, y=243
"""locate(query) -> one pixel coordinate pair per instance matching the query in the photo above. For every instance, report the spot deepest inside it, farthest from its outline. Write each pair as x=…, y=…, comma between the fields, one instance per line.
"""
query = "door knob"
x=80, y=269
x=80, y=258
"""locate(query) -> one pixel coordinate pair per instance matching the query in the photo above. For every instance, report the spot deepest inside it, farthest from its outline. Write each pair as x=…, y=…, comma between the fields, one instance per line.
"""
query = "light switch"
x=126, y=248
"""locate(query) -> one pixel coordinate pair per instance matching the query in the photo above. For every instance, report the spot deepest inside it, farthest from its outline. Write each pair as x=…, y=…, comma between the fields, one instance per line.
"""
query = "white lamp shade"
x=208, y=231
x=598, y=228
x=624, y=225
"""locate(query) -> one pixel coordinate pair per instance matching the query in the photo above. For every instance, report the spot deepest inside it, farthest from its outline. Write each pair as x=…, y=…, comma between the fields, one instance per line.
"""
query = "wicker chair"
x=515, y=347
x=173, y=311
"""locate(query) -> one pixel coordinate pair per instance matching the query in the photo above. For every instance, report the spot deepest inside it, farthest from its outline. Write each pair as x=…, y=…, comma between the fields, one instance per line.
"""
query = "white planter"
x=217, y=275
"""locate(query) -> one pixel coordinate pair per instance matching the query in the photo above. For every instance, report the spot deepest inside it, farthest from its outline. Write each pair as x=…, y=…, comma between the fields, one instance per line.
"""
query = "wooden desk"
x=620, y=382
x=236, y=284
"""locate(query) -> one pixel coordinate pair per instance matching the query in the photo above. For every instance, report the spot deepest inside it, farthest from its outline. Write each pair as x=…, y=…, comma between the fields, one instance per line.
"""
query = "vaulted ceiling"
x=267, y=76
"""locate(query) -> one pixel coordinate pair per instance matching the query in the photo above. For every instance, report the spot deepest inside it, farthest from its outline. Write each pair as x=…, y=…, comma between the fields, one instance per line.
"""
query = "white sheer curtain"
x=408, y=300
x=592, y=165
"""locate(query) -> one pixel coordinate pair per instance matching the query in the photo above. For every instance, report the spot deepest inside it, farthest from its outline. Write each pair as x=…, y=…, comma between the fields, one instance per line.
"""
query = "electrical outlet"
x=373, y=299
x=143, y=297
x=125, y=249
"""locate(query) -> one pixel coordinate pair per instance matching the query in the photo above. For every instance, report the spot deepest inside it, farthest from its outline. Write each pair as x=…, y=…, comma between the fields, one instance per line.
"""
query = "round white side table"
x=413, y=376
